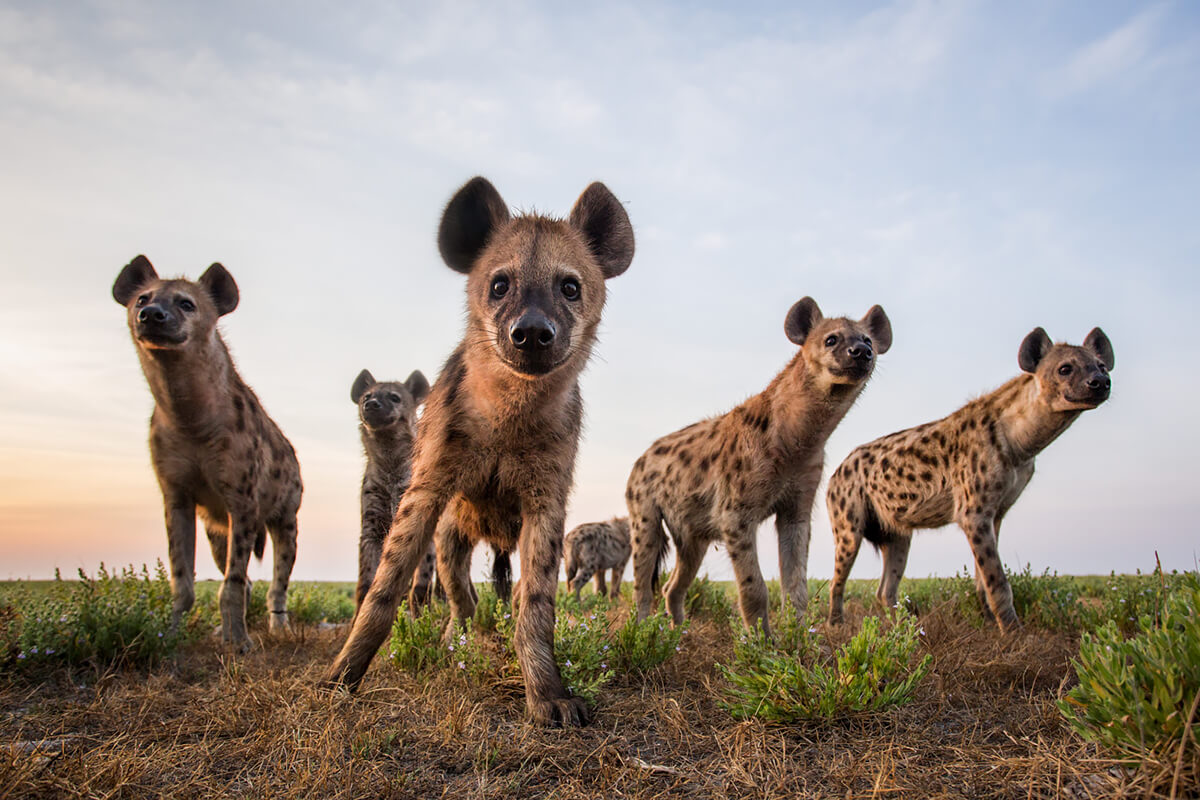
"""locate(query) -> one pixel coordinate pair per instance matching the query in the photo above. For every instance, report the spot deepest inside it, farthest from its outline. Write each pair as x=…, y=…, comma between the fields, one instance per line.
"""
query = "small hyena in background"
x=387, y=413
x=213, y=447
x=594, y=547
x=720, y=478
x=495, y=451
x=968, y=468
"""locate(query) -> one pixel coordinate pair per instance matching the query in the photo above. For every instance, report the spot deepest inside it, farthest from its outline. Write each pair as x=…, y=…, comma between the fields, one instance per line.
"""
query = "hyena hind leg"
x=283, y=547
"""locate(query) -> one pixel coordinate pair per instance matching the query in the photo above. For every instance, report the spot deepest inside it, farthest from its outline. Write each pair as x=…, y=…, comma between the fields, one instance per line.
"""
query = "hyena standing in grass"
x=213, y=447
x=387, y=413
x=968, y=468
x=720, y=478
x=495, y=450
x=593, y=547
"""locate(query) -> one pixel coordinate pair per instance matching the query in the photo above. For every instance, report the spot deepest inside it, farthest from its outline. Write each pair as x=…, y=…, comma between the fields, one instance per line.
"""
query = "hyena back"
x=718, y=479
x=213, y=447
x=593, y=547
x=968, y=468
x=495, y=450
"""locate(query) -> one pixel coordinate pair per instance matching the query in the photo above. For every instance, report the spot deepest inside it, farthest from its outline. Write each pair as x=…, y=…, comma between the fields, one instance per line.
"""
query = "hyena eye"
x=187, y=305
x=141, y=301
x=499, y=286
x=1065, y=369
x=570, y=288
x=830, y=340
x=395, y=398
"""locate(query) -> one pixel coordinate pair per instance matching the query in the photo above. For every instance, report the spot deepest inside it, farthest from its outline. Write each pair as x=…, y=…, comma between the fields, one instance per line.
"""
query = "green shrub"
x=871, y=672
x=416, y=642
x=582, y=651
x=1049, y=601
x=114, y=619
x=638, y=647
x=1125, y=599
x=1134, y=695
x=957, y=593
x=489, y=609
x=707, y=599
x=311, y=603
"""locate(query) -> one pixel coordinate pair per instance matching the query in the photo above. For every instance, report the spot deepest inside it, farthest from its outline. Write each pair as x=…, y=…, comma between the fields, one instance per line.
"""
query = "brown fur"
x=717, y=480
x=213, y=447
x=594, y=547
x=495, y=449
x=968, y=468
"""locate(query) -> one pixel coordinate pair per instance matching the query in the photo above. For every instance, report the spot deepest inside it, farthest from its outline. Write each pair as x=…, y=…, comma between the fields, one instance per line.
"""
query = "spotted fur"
x=593, y=547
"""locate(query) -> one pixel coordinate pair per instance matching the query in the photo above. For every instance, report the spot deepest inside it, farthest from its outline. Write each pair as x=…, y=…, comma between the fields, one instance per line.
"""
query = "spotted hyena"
x=213, y=447
x=968, y=468
x=593, y=547
x=387, y=414
x=495, y=450
x=717, y=480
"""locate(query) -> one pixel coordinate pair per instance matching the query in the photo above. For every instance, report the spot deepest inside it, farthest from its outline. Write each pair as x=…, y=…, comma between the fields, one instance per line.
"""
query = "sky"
x=979, y=169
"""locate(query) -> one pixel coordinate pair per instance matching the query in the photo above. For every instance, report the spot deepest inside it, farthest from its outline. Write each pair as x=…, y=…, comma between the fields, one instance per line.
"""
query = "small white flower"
x=33, y=650
x=20, y=656
x=921, y=631
x=507, y=616
x=451, y=648
x=160, y=634
x=605, y=648
x=812, y=629
x=568, y=662
x=49, y=651
x=603, y=665
x=676, y=648
x=461, y=665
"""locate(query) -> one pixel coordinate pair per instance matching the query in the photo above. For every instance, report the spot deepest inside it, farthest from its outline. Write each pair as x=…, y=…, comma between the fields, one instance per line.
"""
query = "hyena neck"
x=503, y=396
x=388, y=449
x=191, y=387
x=1028, y=423
x=803, y=409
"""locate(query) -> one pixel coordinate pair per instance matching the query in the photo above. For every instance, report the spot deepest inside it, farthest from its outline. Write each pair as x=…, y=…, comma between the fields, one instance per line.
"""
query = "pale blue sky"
x=977, y=169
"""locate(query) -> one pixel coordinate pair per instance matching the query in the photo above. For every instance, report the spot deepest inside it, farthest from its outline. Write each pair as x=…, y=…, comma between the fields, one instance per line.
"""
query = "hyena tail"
x=570, y=567
x=260, y=544
x=502, y=575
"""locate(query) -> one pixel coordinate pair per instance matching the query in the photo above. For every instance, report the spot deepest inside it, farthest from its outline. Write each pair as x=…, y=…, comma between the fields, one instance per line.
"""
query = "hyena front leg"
x=793, y=525
x=752, y=590
x=601, y=585
x=454, y=572
x=181, y=551
x=235, y=588
x=981, y=533
x=375, y=523
x=283, y=547
x=547, y=700
x=416, y=519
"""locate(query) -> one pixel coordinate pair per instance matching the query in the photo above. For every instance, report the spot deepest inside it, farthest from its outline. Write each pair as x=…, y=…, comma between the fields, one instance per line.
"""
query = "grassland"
x=200, y=722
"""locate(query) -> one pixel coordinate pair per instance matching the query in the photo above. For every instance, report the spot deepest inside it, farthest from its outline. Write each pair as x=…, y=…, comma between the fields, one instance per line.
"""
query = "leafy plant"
x=1137, y=696
x=1049, y=601
x=871, y=672
x=581, y=649
x=708, y=599
x=639, y=647
x=416, y=642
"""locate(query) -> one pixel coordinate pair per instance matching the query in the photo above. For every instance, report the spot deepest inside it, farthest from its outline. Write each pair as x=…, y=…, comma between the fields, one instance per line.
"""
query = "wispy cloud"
x=1121, y=57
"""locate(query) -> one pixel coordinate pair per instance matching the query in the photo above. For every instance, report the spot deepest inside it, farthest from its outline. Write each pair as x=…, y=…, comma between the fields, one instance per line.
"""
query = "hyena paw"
x=279, y=622
x=559, y=712
x=237, y=641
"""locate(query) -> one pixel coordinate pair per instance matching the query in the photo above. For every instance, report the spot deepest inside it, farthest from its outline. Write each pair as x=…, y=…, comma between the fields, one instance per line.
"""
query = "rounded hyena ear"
x=1033, y=349
x=801, y=319
x=470, y=219
x=133, y=276
x=606, y=228
x=219, y=284
x=418, y=386
x=1099, y=344
x=364, y=381
x=879, y=327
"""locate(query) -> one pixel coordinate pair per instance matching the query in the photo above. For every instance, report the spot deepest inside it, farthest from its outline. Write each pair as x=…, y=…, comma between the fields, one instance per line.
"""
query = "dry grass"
x=983, y=724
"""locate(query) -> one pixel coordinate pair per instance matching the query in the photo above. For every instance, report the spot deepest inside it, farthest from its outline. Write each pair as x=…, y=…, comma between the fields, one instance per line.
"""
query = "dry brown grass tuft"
x=205, y=724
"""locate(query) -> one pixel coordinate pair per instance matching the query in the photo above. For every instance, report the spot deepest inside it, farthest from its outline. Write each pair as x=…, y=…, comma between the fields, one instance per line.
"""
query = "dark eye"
x=1065, y=369
x=499, y=286
x=830, y=340
x=867, y=341
x=570, y=289
x=187, y=305
x=395, y=398
x=141, y=301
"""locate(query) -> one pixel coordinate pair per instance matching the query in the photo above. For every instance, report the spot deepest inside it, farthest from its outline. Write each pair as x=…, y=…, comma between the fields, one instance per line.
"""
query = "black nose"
x=532, y=331
x=152, y=314
x=860, y=351
x=1099, y=382
x=371, y=404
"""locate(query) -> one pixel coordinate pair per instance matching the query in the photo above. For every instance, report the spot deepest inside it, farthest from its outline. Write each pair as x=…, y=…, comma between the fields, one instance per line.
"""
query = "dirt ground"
x=206, y=724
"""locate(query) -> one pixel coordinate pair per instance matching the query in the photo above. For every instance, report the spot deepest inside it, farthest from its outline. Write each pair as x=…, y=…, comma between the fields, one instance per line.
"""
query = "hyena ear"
x=605, y=226
x=364, y=381
x=880, y=327
x=1033, y=349
x=133, y=276
x=470, y=219
x=418, y=386
x=1099, y=344
x=219, y=284
x=801, y=319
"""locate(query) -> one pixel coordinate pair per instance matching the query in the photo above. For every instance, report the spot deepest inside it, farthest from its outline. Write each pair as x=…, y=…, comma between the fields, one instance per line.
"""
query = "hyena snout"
x=860, y=352
x=534, y=331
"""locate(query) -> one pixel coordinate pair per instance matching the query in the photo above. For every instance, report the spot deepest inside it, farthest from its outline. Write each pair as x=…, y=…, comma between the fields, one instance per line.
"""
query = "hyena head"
x=167, y=315
x=388, y=405
x=536, y=285
x=1069, y=378
x=839, y=350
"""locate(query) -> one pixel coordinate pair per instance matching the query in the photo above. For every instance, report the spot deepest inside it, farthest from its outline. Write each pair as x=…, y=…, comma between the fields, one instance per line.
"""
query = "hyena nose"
x=860, y=351
x=152, y=314
x=1099, y=382
x=371, y=404
x=532, y=332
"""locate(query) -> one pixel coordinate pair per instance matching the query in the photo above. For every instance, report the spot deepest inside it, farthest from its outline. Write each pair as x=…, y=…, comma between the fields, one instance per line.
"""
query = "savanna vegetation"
x=1096, y=696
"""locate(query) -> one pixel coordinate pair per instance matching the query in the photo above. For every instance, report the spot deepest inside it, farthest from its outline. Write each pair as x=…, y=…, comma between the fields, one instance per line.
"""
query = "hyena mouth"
x=1088, y=401
x=154, y=337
